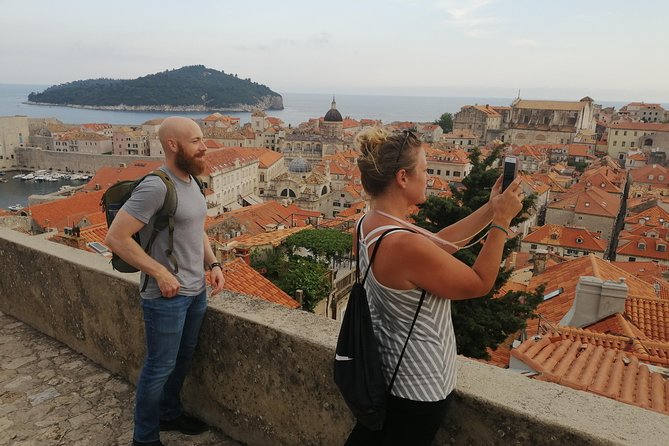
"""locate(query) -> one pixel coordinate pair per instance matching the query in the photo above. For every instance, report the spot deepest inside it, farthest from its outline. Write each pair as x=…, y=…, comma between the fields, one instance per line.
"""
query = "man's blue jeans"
x=172, y=327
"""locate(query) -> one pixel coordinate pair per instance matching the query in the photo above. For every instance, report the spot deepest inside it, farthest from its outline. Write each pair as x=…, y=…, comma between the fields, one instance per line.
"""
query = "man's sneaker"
x=184, y=424
x=146, y=443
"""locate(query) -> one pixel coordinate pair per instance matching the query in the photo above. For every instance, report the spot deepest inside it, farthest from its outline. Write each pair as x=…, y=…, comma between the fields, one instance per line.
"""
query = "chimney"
x=245, y=253
x=299, y=296
x=595, y=300
x=539, y=261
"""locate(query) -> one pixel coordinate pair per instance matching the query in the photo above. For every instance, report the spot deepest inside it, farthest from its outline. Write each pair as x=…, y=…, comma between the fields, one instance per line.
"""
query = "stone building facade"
x=14, y=133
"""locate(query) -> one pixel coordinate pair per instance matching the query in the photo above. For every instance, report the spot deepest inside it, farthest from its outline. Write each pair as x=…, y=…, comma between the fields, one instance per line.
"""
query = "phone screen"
x=509, y=172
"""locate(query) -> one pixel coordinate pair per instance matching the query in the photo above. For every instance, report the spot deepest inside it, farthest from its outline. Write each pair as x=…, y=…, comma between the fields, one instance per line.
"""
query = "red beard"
x=191, y=165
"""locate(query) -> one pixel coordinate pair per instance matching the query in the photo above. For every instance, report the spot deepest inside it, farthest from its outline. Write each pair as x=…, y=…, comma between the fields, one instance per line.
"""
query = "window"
x=616, y=132
x=661, y=248
x=456, y=173
x=554, y=236
x=625, y=133
x=533, y=246
x=641, y=246
x=430, y=171
x=650, y=177
x=632, y=144
x=615, y=143
x=623, y=144
x=579, y=240
x=632, y=259
x=336, y=203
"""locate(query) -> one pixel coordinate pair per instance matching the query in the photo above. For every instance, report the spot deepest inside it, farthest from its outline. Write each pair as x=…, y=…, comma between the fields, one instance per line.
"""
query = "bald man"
x=174, y=299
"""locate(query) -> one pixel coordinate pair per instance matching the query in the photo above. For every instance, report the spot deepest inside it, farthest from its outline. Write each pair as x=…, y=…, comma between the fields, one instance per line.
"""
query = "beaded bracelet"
x=501, y=228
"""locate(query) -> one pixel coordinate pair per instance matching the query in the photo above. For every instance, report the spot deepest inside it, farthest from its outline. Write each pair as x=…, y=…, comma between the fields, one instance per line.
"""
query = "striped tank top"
x=428, y=371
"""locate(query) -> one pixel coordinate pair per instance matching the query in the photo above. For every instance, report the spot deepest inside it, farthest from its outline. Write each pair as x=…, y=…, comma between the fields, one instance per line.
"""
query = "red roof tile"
x=598, y=364
x=242, y=278
x=107, y=176
x=66, y=212
x=556, y=235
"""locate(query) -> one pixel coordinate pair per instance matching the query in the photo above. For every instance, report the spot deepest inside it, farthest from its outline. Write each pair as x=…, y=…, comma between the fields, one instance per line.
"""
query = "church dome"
x=333, y=114
x=299, y=165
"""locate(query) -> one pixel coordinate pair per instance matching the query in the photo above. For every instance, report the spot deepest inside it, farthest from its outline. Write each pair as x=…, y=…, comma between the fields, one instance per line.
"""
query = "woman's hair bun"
x=370, y=139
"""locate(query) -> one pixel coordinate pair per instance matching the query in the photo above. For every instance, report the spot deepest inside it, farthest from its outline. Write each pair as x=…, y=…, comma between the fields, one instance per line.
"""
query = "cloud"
x=524, y=42
x=469, y=16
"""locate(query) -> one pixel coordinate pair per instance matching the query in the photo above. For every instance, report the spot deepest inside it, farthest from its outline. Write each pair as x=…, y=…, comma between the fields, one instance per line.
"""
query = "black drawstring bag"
x=357, y=365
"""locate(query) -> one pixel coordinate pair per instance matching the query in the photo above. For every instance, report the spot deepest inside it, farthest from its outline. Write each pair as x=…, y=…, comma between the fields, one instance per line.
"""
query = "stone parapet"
x=263, y=373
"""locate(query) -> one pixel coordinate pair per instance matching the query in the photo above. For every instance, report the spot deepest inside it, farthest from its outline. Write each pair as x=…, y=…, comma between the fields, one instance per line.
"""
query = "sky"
x=610, y=50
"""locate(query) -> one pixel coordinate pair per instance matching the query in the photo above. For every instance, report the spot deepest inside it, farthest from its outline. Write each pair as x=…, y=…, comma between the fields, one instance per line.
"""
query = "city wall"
x=263, y=373
x=34, y=158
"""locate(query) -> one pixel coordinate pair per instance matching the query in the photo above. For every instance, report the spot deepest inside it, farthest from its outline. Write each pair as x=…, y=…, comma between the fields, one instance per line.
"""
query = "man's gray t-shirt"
x=145, y=201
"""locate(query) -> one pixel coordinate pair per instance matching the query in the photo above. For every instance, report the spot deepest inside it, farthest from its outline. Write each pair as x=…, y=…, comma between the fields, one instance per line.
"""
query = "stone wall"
x=36, y=158
x=263, y=373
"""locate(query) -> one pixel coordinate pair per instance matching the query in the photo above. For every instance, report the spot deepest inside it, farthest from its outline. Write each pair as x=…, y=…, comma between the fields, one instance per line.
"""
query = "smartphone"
x=510, y=169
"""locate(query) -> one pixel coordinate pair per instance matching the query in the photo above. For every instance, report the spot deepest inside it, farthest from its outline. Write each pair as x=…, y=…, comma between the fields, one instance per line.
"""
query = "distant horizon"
x=534, y=95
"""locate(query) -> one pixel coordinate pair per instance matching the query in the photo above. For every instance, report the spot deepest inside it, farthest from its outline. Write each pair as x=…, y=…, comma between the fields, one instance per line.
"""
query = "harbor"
x=17, y=186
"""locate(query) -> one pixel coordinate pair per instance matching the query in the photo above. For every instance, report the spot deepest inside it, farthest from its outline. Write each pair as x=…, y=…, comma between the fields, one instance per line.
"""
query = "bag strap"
x=399, y=361
x=357, y=278
x=374, y=251
x=164, y=218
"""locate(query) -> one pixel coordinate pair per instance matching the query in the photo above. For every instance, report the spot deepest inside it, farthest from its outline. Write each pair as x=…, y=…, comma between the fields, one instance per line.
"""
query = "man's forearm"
x=209, y=256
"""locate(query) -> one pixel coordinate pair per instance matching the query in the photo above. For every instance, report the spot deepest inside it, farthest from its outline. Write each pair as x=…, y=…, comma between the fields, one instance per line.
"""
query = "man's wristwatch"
x=214, y=265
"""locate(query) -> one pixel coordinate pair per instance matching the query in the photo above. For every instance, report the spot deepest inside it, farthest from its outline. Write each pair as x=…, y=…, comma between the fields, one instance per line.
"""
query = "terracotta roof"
x=460, y=134
x=641, y=246
x=548, y=105
x=107, y=176
x=266, y=157
x=488, y=110
x=578, y=149
x=224, y=158
x=598, y=180
x=598, y=364
x=654, y=216
x=566, y=276
x=82, y=136
x=256, y=218
x=647, y=271
x=592, y=201
x=213, y=144
x=651, y=174
x=66, y=212
x=638, y=157
x=556, y=235
x=531, y=184
x=355, y=209
x=647, y=126
x=242, y=278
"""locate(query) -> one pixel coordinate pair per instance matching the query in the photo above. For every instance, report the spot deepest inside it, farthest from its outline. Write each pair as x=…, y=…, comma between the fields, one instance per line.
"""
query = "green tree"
x=329, y=244
x=486, y=321
x=308, y=275
x=445, y=121
x=304, y=261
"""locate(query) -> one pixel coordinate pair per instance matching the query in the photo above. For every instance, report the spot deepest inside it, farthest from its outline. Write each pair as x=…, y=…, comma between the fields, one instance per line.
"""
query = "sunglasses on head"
x=407, y=134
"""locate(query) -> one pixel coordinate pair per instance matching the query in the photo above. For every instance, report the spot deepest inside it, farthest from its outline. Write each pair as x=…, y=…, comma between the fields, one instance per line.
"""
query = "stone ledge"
x=263, y=373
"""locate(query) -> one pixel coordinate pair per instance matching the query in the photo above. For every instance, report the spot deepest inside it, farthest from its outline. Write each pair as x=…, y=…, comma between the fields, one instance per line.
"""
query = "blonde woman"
x=394, y=174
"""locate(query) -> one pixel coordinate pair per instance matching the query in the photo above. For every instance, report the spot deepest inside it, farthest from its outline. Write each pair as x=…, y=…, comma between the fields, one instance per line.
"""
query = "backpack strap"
x=164, y=219
x=413, y=323
x=357, y=278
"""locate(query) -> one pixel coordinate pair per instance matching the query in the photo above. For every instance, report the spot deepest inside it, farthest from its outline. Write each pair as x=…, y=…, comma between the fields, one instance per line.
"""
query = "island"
x=188, y=89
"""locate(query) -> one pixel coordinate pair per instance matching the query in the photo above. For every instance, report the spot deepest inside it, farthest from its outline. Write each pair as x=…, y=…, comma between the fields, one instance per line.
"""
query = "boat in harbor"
x=15, y=208
x=19, y=176
x=29, y=176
